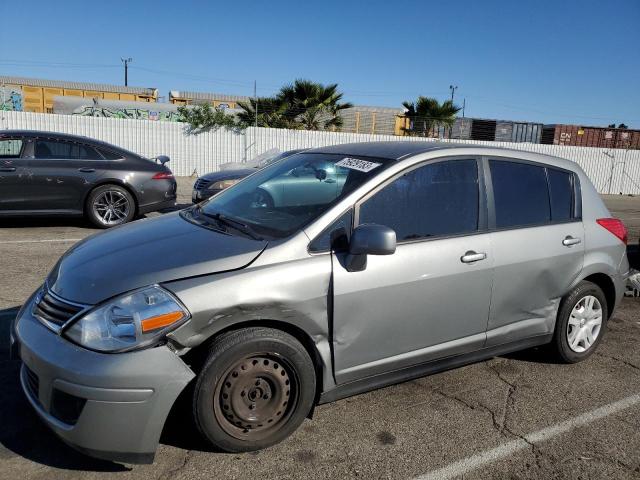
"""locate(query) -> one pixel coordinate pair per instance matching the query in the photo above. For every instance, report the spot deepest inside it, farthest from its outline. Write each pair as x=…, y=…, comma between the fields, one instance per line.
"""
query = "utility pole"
x=453, y=91
x=255, y=98
x=126, y=62
x=464, y=104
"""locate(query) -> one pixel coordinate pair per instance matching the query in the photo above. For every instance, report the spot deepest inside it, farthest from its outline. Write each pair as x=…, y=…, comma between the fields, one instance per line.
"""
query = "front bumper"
x=110, y=406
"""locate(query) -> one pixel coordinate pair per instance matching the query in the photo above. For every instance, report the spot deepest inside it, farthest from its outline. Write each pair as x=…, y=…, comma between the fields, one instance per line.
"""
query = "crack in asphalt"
x=618, y=359
x=173, y=471
x=509, y=405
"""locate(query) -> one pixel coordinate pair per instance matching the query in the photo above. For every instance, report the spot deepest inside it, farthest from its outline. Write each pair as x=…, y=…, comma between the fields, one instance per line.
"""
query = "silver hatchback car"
x=404, y=259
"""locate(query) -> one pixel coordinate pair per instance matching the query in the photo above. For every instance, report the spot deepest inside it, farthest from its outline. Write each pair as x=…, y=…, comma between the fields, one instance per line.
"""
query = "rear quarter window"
x=561, y=190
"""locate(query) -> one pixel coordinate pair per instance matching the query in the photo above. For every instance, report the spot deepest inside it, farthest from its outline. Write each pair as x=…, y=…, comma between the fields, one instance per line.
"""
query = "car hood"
x=146, y=252
x=228, y=174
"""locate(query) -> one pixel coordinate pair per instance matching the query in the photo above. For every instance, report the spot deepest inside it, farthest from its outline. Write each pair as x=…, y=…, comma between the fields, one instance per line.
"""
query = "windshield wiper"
x=233, y=223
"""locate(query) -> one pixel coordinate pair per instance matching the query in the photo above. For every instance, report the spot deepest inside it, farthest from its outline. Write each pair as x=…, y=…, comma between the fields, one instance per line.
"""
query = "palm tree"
x=313, y=106
x=427, y=113
x=302, y=105
x=271, y=113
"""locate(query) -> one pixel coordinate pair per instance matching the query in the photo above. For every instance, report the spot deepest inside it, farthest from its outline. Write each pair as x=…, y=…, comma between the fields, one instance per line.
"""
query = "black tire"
x=99, y=196
x=258, y=366
x=560, y=344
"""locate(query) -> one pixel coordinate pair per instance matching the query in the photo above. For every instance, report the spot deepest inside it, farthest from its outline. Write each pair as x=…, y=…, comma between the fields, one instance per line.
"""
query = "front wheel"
x=109, y=206
x=581, y=323
x=256, y=388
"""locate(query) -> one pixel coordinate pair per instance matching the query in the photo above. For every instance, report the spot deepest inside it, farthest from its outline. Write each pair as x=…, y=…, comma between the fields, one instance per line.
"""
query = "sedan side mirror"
x=369, y=239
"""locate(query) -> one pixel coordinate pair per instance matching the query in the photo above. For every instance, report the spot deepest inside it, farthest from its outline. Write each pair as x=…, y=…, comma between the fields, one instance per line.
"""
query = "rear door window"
x=10, y=147
x=561, y=190
x=520, y=194
x=435, y=200
x=64, y=150
x=109, y=155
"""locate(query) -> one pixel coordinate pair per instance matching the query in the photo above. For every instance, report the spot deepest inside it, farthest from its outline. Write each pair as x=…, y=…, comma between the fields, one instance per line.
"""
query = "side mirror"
x=162, y=159
x=369, y=240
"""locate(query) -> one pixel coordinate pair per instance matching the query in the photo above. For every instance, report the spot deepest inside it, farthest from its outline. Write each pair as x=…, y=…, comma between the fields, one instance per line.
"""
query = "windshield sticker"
x=357, y=164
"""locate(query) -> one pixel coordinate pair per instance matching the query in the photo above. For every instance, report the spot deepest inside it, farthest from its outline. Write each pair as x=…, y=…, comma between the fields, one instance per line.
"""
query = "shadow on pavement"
x=22, y=432
x=42, y=221
x=633, y=254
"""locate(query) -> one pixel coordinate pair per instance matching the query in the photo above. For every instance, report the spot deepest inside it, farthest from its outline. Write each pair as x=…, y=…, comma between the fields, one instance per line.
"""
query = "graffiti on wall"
x=10, y=99
x=131, y=113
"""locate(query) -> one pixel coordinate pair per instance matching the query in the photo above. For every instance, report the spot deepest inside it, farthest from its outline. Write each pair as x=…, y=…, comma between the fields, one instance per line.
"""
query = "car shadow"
x=22, y=432
x=31, y=222
x=633, y=254
x=541, y=355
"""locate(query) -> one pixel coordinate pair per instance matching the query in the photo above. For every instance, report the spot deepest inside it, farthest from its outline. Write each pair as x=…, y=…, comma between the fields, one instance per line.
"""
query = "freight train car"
x=36, y=95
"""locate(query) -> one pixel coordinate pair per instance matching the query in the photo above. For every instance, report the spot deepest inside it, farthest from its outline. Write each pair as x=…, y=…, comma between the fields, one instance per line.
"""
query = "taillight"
x=162, y=176
x=615, y=226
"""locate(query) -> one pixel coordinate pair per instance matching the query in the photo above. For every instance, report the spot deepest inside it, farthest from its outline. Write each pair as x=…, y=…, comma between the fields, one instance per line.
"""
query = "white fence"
x=611, y=170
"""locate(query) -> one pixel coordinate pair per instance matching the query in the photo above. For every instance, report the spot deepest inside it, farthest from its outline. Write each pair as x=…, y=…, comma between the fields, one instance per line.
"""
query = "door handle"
x=472, y=256
x=329, y=180
x=7, y=169
x=87, y=170
x=569, y=240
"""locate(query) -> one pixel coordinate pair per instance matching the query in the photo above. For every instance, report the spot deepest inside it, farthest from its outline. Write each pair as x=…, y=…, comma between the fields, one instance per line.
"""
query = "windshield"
x=284, y=197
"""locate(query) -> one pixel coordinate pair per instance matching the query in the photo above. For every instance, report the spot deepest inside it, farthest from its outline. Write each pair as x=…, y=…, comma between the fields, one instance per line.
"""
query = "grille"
x=33, y=383
x=201, y=183
x=54, y=310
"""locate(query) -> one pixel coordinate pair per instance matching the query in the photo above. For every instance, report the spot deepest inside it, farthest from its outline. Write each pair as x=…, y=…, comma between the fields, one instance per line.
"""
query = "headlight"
x=222, y=184
x=130, y=321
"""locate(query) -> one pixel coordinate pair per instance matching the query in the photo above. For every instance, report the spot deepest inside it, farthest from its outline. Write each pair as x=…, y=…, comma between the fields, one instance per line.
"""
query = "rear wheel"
x=581, y=323
x=109, y=206
x=255, y=389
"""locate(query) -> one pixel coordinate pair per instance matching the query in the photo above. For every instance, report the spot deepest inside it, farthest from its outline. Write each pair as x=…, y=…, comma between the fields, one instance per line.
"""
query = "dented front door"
x=422, y=303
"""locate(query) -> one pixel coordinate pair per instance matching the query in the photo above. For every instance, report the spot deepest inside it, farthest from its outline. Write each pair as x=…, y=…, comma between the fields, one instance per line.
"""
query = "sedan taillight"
x=162, y=176
x=615, y=226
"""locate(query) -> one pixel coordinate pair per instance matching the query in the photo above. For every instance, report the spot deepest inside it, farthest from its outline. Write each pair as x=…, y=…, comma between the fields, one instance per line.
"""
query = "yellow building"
x=215, y=99
x=37, y=94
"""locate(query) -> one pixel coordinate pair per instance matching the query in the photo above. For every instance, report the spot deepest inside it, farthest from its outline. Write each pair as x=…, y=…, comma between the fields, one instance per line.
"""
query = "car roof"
x=62, y=136
x=398, y=150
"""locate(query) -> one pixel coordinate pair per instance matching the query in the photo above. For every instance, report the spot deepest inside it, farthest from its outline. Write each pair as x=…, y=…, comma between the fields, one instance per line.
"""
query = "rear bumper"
x=154, y=207
x=110, y=406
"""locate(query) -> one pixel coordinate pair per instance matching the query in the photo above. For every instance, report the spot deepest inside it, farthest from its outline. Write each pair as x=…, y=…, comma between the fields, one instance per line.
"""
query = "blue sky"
x=551, y=61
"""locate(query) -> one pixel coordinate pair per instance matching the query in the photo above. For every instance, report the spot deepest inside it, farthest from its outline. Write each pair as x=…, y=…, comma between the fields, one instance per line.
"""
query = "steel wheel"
x=111, y=207
x=256, y=397
x=585, y=323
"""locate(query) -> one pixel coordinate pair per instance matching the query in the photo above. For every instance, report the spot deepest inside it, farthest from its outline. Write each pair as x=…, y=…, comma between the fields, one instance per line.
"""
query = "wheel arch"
x=196, y=356
x=112, y=181
x=605, y=282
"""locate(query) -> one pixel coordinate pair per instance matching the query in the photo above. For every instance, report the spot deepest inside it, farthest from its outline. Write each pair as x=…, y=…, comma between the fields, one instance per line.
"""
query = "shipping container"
x=483, y=129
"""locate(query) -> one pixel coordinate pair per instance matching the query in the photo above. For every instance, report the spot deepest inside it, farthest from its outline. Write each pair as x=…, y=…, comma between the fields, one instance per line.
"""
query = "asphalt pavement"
x=516, y=416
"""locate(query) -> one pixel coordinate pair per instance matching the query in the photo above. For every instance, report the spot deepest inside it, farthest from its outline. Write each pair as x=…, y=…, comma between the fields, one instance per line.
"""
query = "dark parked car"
x=46, y=173
x=211, y=184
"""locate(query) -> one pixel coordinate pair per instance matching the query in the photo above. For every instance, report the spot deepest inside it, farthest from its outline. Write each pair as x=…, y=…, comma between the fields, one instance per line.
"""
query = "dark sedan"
x=45, y=173
x=211, y=184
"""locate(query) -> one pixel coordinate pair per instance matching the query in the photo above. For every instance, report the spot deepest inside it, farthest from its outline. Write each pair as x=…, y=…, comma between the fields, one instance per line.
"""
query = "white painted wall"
x=611, y=170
